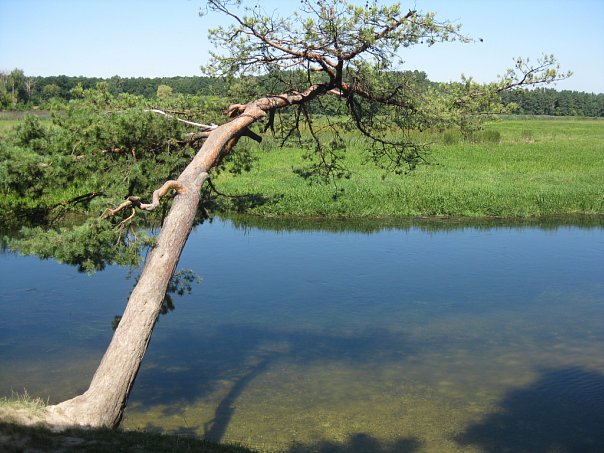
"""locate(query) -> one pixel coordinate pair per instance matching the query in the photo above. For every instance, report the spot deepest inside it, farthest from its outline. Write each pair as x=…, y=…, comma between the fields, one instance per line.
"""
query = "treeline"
x=547, y=101
x=18, y=91
x=140, y=86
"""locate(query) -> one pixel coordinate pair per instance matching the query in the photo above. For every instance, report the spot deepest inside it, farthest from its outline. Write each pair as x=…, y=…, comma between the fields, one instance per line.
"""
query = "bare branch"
x=161, y=192
x=127, y=219
x=203, y=127
x=135, y=202
x=111, y=212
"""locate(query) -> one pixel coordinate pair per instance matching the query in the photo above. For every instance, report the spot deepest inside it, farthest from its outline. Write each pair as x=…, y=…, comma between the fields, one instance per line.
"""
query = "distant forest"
x=20, y=92
x=547, y=101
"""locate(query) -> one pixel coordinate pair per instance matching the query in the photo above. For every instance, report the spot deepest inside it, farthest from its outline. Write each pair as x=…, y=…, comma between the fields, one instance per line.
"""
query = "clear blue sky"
x=167, y=37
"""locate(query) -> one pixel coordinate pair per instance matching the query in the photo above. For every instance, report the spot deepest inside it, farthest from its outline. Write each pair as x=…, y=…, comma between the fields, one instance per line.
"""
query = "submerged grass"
x=514, y=168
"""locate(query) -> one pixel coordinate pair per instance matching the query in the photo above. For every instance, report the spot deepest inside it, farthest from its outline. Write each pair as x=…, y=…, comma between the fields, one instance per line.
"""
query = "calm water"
x=341, y=337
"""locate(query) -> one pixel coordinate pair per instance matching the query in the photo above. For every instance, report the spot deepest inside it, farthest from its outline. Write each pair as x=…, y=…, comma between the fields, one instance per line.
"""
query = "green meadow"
x=514, y=168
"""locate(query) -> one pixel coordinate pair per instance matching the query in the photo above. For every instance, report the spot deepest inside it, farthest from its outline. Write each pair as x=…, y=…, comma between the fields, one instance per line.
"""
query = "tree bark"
x=103, y=404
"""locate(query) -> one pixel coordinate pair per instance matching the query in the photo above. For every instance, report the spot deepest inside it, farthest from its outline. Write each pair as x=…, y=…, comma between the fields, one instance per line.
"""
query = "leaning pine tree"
x=328, y=52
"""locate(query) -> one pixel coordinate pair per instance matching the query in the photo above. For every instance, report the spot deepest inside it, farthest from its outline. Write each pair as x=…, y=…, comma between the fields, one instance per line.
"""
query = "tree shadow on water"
x=563, y=411
x=361, y=443
x=215, y=429
x=193, y=365
x=187, y=366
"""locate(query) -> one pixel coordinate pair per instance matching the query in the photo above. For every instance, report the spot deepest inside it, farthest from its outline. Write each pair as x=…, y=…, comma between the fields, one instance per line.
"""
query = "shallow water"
x=424, y=337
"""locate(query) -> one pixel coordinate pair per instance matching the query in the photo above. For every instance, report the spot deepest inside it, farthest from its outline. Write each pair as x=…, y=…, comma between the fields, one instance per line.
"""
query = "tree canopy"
x=330, y=69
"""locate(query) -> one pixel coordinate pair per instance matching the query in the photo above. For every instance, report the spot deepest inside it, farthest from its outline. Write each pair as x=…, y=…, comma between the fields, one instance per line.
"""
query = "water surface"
x=342, y=337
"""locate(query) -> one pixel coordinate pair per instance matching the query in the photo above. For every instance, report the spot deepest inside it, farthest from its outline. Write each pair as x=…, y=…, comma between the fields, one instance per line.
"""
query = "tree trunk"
x=104, y=401
x=103, y=404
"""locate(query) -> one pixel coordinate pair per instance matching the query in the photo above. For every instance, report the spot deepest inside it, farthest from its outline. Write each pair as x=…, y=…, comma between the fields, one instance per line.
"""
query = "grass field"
x=9, y=119
x=515, y=168
x=7, y=124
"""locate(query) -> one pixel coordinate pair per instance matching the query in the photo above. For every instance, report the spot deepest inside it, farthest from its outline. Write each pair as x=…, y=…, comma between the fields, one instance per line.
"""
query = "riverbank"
x=515, y=168
x=22, y=428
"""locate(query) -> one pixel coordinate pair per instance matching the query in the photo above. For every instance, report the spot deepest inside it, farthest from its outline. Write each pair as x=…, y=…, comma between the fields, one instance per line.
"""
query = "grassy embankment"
x=19, y=431
x=516, y=168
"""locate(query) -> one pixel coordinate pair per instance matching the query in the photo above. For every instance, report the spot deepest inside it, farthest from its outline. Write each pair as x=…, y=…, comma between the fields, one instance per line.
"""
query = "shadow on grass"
x=19, y=438
x=562, y=411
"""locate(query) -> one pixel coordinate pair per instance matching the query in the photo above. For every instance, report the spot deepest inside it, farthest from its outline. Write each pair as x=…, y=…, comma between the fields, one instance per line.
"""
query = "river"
x=341, y=336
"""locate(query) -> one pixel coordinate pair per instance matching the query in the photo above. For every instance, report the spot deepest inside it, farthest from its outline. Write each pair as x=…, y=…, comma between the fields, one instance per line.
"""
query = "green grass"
x=7, y=124
x=23, y=401
x=9, y=119
x=515, y=168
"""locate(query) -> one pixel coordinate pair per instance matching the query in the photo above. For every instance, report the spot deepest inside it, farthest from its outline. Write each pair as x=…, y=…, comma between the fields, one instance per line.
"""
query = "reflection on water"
x=381, y=337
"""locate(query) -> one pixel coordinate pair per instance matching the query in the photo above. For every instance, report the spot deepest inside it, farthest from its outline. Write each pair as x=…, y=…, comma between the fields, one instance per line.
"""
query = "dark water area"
x=338, y=336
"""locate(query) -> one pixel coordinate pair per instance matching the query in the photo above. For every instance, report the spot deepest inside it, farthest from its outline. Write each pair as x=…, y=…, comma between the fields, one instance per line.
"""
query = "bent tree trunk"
x=103, y=404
